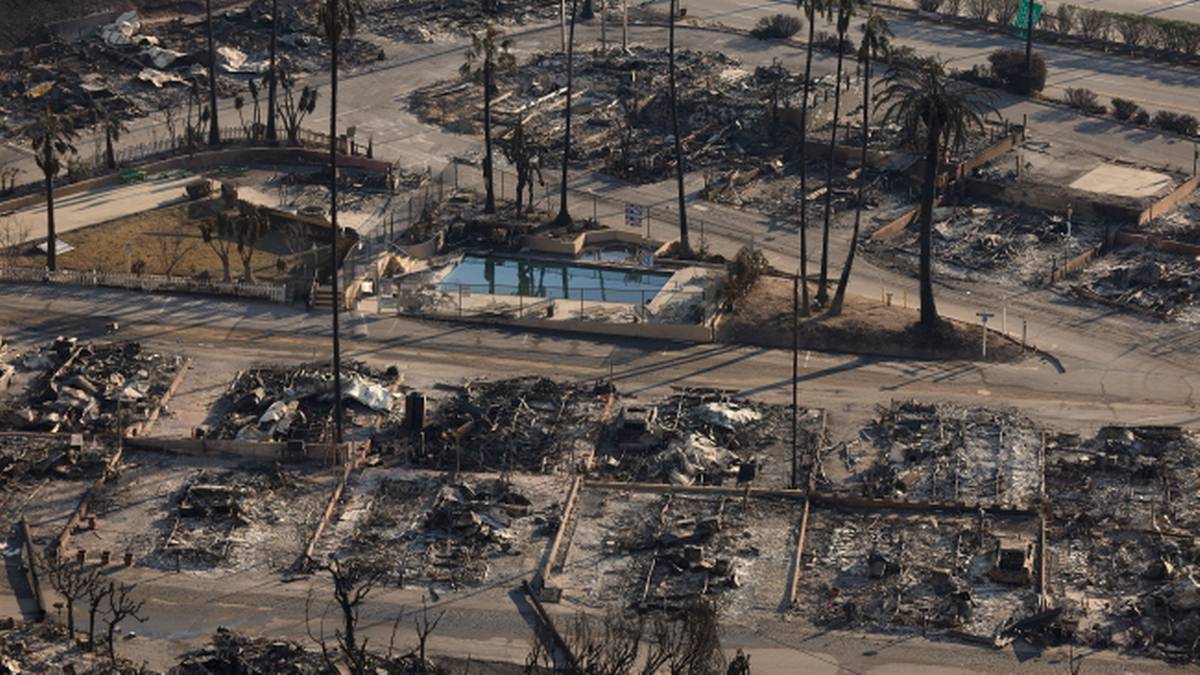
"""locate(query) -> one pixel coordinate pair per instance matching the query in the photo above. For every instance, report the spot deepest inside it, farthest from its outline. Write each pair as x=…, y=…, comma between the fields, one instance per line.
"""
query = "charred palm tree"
x=272, y=77
x=875, y=42
x=52, y=137
x=564, y=216
x=932, y=109
x=845, y=12
x=812, y=9
x=214, y=129
x=488, y=58
x=684, y=246
x=336, y=18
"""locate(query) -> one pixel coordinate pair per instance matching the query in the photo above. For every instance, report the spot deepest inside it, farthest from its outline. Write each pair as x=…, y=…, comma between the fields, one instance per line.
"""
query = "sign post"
x=983, y=317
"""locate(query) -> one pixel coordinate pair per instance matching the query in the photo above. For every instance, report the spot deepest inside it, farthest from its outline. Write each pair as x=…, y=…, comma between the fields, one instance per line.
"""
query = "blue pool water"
x=512, y=276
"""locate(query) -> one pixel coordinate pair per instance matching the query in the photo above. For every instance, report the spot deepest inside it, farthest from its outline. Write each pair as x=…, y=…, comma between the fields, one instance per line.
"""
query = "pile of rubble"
x=1002, y=243
x=46, y=648
x=90, y=387
x=1150, y=282
x=623, y=110
x=1128, y=477
x=132, y=67
x=232, y=652
x=212, y=506
x=1181, y=223
x=441, y=20
x=296, y=403
x=921, y=573
x=683, y=550
x=520, y=424
x=945, y=452
x=702, y=437
x=447, y=539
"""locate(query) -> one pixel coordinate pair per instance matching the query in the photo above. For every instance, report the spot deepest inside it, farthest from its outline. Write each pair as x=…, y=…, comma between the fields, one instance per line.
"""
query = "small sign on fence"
x=633, y=216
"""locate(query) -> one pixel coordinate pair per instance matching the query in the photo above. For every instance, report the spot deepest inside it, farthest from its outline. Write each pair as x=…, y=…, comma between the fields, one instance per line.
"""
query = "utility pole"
x=603, y=27
x=562, y=23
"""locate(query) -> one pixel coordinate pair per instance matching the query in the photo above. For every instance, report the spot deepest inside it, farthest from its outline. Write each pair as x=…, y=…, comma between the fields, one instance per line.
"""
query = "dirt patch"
x=864, y=327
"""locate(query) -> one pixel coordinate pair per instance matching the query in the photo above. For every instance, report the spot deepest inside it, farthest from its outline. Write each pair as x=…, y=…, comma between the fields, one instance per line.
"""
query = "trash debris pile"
x=1181, y=223
x=935, y=573
x=1143, y=478
x=26, y=461
x=212, y=507
x=942, y=452
x=681, y=550
x=444, y=20
x=89, y=387
x=233, y=652
x=132, y=66
x=519, y=424
x=998, y=243
x=1135, y=591
x=296, y=403
x=704, y=437
x=45, y=647
x=1150, y=282
x=622, y=121
x=443, y=532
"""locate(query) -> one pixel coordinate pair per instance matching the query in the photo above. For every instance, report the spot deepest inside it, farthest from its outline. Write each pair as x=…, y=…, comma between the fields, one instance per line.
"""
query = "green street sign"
x=1020, y=21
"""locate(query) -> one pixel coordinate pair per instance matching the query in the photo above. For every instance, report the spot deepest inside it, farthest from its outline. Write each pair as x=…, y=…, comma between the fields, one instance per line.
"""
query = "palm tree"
x=845, y=12
x=684, y=248
x=930, y=107
x=488, y=58
x=812, y=9
x=875, y=42
x=272, y=84
x=564, y=216
x=214, y=129
x=113, y=128
x=337, y=18
x=52, y=137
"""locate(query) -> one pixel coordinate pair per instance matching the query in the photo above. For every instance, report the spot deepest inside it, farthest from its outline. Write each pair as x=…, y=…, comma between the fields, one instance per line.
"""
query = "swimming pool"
x=514, y=276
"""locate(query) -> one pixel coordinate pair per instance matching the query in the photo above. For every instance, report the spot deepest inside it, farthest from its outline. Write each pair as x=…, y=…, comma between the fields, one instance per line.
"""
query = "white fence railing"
x=147, y=282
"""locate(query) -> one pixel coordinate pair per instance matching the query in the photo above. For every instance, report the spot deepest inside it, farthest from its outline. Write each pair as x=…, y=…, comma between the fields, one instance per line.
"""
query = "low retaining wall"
x=29, y=564
x=653, y=331
x=900, y=224
x=326, y=453
x=1052, y=199
x=574, y=247
x=1074, y=265
x=203, y=161
x=152, y=283
x=1158, y=244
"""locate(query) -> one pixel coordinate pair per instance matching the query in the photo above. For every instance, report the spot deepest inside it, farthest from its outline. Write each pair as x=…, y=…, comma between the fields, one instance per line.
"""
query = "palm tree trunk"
x=929, y=316
x=214, y=129
x=839, y=296
x=823, y=281
x=51, y=241
x=110, y=157
x=564, y=216
x=684, y=246
x=488, y=166
x=272, y=85
x=795, y=377
x=333, y=230
x=804, y=302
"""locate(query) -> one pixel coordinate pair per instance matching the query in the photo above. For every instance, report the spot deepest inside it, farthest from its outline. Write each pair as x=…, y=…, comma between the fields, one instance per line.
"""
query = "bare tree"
x=97, y=593
x=69, y=579
x=425, y=628
x=12, y=235
x=172, y=250
x=220, y=237
x=249, y=228
x=121, y=605
x=170, y=117
x=353, y=581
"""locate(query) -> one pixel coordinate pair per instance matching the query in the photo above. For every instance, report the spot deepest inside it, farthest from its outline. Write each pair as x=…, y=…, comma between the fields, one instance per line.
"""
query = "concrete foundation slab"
x=1123, y=181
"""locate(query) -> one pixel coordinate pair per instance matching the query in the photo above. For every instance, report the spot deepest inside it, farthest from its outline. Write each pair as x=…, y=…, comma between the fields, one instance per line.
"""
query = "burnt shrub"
x=1008, y=66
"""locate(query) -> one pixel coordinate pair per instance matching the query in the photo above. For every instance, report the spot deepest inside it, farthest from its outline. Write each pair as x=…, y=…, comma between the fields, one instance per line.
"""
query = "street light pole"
x=1029, y=47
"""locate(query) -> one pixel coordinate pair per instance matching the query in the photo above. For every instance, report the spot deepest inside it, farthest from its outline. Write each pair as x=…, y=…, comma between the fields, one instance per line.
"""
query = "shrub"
x=1093, y=24
x=1008, y=66
x=1064, y=18
x=952, y=7
x=904, y=57
x=744, y=272
x=1084, y=99
x=1006, y=11
x=1132, y=28
x=1141, y=117
x=929, y=5
x=980, y=9
x=1180, y=123
x=1124, y=109
x=778, y=27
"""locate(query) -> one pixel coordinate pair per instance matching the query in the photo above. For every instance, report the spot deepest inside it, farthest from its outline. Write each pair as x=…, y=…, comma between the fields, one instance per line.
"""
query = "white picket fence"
x=147, y=282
